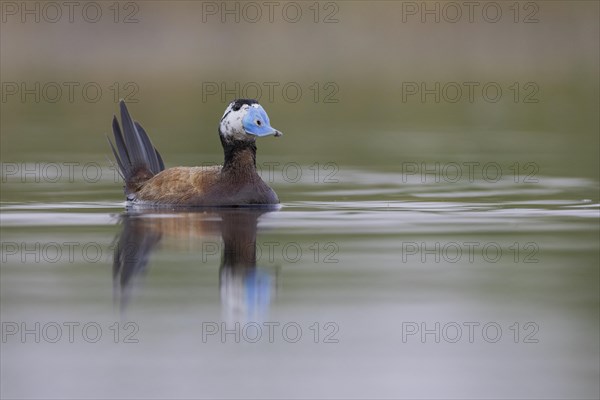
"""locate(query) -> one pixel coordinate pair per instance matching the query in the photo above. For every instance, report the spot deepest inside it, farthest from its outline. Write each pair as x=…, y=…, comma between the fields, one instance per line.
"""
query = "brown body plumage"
x=236, y=183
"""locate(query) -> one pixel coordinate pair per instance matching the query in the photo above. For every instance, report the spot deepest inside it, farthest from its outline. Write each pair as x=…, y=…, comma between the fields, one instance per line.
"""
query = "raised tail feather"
x=137, y=158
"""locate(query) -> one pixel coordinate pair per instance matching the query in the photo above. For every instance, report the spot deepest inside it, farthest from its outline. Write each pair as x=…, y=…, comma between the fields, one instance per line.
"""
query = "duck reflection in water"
x=246, y=289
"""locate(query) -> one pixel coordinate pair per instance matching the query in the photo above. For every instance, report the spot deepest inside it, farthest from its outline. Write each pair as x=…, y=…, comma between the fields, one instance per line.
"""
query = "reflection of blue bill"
x=246, y=293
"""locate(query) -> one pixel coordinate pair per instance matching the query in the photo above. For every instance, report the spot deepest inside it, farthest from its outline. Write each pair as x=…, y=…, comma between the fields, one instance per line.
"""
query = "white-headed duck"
x=235, y=183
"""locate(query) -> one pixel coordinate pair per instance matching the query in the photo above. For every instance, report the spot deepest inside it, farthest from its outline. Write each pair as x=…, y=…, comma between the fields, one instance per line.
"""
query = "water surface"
x=377, y=285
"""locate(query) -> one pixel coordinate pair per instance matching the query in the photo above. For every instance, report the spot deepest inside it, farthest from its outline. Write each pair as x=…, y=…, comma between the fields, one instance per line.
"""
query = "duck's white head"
x=243, y=120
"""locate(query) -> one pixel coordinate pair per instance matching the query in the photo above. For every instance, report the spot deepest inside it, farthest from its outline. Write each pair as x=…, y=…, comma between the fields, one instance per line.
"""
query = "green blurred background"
x=359, y=54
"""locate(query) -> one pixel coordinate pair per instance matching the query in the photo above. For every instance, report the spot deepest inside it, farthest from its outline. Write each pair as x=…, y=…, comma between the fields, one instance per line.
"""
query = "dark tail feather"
x=137, y=158
x=157, y=160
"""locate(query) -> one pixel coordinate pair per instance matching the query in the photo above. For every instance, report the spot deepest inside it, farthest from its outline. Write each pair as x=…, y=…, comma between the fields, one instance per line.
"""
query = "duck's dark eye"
x=258, y=122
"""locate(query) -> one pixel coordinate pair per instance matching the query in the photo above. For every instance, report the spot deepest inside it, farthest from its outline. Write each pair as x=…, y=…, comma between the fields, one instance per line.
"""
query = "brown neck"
x=240, y=160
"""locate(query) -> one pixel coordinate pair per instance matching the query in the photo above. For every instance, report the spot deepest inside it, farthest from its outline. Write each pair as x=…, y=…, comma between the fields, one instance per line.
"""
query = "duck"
x=235, y=183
